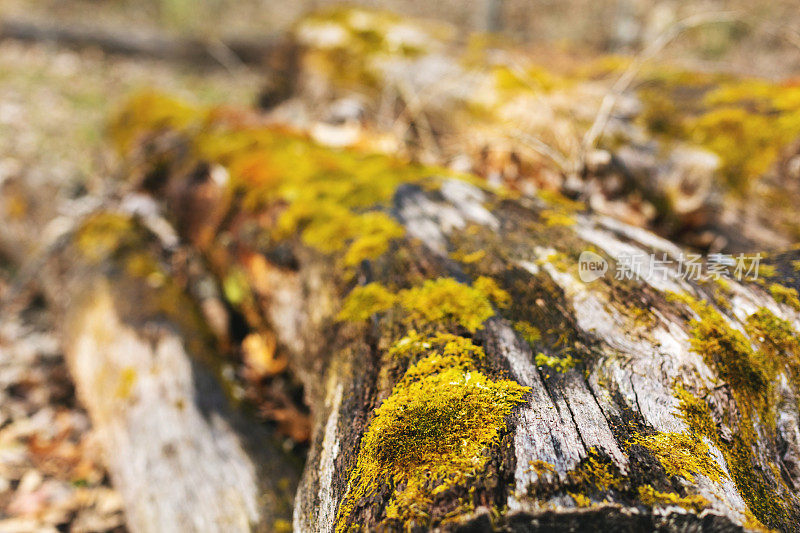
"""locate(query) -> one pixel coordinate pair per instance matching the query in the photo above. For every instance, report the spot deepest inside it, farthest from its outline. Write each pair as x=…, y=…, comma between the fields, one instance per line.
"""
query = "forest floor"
x=53, y=108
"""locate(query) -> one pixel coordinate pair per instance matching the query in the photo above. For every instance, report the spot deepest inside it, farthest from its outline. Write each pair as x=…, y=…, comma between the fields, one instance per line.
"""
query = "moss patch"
x=492, y=291
x=542, y=467
x=580, y=499
x=652, y=497
x=768, y=498
x=414, y=346
x=696, y=413
x=348, y=45
x=334, y=201
x=774, y=334
x=145, y=113
x=363, y=302
x=560, y=364
x=440, y=302
x=778, y=340
x=556, y=218
x=682, y=454
x=785, y=295
x=445, y=300
x=597, y=471
x=430, y=435
x=529, y=332
x=746, y=122
x=727, y=350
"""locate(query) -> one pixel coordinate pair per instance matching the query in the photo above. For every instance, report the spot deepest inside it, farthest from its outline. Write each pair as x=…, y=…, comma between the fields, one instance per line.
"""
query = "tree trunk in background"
x=493, y=23
x=644, y=409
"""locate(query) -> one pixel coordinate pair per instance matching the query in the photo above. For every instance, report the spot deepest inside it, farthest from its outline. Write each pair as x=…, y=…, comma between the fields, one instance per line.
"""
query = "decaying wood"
x=613, y=364
x=632, y=344
x=147, y=369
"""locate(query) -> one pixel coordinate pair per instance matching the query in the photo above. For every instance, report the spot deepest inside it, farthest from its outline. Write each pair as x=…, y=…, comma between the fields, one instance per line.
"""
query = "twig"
x=226, y=57
x=416, y=110
x=540, y=147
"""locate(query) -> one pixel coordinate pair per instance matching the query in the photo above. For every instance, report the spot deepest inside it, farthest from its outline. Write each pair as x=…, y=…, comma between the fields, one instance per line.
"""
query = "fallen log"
x=462, y=371
x=195, y=51
x=180, y=450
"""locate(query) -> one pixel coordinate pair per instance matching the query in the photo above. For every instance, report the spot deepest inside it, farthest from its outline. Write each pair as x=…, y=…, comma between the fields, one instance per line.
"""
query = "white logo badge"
x=591, y=266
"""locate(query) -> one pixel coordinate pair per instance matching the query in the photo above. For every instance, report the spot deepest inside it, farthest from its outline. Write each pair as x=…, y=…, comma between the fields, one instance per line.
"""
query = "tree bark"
x=639, y=413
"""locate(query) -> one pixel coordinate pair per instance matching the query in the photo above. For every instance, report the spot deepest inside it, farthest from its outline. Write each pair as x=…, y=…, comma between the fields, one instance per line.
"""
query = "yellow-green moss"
x=529, y=332
x=580, y=499
x=560, y=364
x=560, y=203
x=415, y=345
x=773, y=334
x=778, y=340
x=785, y=295
x=696, y=413
x=443, y=301
x=650, y=496
x=682, y=454
x=764, y=270
x=541, y=467
x=532, y=79
x=746, y=122
x=430, y=435
x=762, y=496
x=597, y=472
x=556, y=218
x=559, y=260
x=347, y=45
x=492, y=291
x=751, y=374
x=372, y=240
x=440, y=303
x=751, y=122
x=363, y=302
x=147, y=112
x=745, y=141
x=333, y=200
x=468, y=258
x=727, y=349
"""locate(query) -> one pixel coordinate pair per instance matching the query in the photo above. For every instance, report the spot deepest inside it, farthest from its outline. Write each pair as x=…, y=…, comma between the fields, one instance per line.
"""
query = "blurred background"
x=759, y=38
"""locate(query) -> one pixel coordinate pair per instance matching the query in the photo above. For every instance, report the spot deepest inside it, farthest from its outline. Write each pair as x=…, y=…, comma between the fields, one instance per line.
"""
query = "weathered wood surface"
x=182, y=455
x=606, y=436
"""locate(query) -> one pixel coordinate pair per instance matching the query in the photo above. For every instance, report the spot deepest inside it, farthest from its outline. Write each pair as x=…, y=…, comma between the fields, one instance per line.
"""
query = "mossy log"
x=460, y=374
x=147, y=368
x=704, y=158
